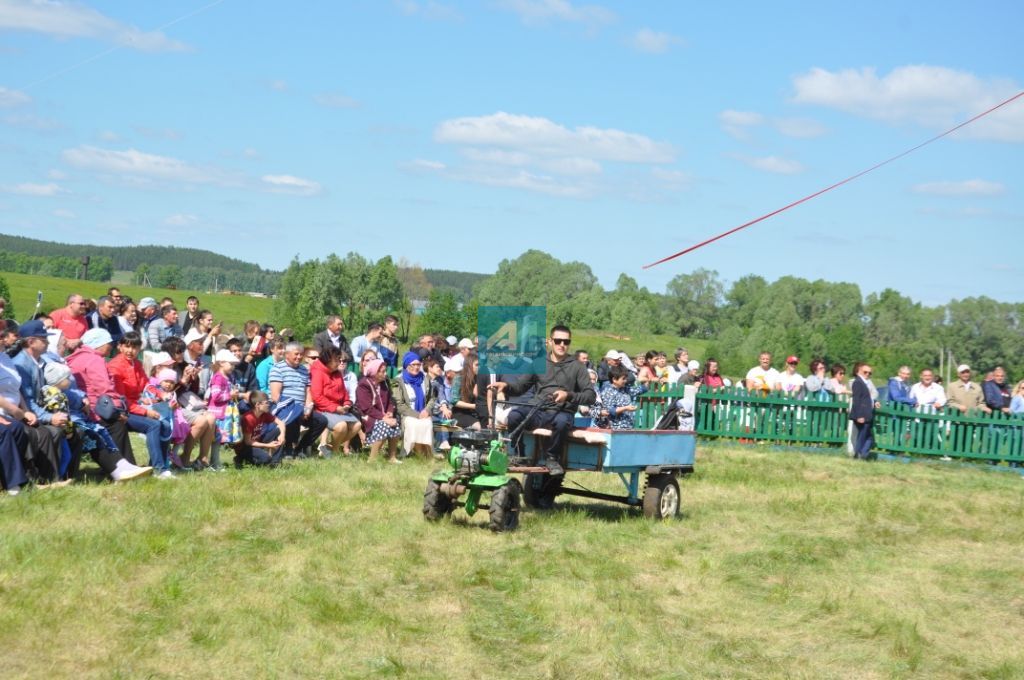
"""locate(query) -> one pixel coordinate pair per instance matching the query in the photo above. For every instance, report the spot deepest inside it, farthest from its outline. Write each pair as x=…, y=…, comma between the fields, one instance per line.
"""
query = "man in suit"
x=334, y=336
x=862, y=411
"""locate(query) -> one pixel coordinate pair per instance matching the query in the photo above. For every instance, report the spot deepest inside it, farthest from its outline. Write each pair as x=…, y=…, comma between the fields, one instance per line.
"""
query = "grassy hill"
x=233, y=310
x=783, y=565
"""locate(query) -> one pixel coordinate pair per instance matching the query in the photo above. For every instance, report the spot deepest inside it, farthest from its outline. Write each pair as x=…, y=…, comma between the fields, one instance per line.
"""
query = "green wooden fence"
x=733, y=412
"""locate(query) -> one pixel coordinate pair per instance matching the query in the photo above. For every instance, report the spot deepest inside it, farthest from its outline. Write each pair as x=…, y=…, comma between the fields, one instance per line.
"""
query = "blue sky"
x=456, y=134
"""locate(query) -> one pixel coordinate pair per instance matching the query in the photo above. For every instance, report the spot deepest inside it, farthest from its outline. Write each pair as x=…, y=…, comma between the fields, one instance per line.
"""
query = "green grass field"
x=783, y=565
x=233, y=310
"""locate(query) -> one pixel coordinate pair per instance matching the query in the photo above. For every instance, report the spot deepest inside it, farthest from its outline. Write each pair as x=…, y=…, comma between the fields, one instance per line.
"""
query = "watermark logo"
x=512, y=340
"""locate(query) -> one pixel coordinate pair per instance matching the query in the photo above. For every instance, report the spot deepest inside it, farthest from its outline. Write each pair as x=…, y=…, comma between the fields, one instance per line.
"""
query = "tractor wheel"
x=505, y=507
x=539, y=491
x=435, y=504
x=661, y=498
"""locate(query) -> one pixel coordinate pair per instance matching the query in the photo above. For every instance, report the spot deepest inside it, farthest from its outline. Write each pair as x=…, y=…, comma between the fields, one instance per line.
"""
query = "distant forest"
x=171, y=266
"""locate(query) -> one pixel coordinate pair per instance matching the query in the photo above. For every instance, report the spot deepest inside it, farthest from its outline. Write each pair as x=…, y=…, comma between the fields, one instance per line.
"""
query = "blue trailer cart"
x=481, y=463
x=659, y=456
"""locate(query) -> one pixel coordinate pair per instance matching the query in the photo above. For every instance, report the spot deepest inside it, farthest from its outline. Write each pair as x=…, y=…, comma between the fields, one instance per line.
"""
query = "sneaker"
x=13, y=492
x=166, y=474
x=198, y=466
x=324, y=450
x=395, y=461
x=444, y=446
x=137, y=473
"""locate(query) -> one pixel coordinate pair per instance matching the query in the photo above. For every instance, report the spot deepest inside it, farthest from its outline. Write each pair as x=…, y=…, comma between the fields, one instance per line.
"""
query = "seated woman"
x=415, y=402
x=331, y=399
x=466, y=394
x=374, y=401
x=129, y=381
x=193, y=407
x=617, y=407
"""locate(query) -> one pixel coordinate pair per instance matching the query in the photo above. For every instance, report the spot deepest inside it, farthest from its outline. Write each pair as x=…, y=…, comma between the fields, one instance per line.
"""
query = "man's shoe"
x=324, y=451
x=137, y=473
x=555, y=468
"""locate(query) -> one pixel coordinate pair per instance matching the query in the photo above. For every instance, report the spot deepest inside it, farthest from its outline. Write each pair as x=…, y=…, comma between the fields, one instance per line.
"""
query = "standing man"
x=388, y=342
x=164, y=327
x=862, y=412
x=996, y=391
x=334, y=336
x=928, y=394
x=148, y=313
x=191, y=313
x=105, y=317
x=899, y=388
x=762, y=377
x=369, y=340
x=71, y=322
x=964, y=395
x=564, y=387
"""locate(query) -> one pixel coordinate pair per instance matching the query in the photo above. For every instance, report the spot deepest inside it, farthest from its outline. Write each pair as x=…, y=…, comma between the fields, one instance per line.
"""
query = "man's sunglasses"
x=561, y=341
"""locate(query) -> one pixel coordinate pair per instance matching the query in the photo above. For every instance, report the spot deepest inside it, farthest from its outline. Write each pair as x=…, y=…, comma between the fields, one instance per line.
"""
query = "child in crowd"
x=220, y=398
x=61, y=395
x=617, y=407
x=159, y=395
x=262, y=434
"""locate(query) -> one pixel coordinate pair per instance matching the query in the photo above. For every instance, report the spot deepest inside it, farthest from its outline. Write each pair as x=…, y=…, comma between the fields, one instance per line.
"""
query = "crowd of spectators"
x=79, y=380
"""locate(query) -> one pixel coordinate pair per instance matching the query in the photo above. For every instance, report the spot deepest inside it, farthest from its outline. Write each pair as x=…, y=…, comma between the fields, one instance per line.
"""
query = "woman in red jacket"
x=327, y=388
x=129, y=380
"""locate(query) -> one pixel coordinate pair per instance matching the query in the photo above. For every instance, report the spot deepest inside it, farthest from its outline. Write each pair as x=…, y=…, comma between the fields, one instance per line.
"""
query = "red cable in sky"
x=837, y=184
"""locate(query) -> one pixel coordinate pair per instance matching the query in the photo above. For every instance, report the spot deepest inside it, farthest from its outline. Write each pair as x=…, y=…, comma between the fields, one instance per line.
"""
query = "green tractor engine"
x=478, y=462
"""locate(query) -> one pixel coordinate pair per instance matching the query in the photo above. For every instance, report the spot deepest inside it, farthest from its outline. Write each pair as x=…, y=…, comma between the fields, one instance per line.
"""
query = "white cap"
x=193, y=335
x=96, y=338
x=693, y=365
x=962, y=367
x=451, y=339
x=611, y=354
x=454, y=363
x=225, y=355
x=465, y=343
x=162, y=359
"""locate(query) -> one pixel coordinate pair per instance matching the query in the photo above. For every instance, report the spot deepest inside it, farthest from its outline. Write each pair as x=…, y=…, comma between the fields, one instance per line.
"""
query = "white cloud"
x=136, y=164
x=671, y=177
x=422, y=165
x=32, y=122
x=11, y=98
x=572, y=166
x=535, y=12
x=64, y=214
x=738, y=124
x=336, y=100
x=250, y=153
x=496, y=156
x=522, y=179
x=805, y=128
x=55, y=173
x=970, y=187
x=773, y=164
x=435, y=11
x=653, y=42
x=108, y=136
x=289, y=184
x=278, y=85
x=180, y=220
x=74, y=20
x=542, y=137
x=933, y=96
x=30, y=189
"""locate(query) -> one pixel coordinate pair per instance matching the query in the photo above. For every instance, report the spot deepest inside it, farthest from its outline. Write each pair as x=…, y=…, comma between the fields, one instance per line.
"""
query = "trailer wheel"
x=661, y=498
x=435, y=504
x=539, y=490
x=504, y=513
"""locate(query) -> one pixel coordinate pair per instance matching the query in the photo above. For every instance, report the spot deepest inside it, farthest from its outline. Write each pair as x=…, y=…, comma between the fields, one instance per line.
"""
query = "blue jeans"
x=559, y=422
x=151, y=429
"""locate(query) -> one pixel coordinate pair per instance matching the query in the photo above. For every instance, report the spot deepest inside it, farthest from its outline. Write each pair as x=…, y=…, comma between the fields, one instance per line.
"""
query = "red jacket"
x=328, y=389
x=129, y=381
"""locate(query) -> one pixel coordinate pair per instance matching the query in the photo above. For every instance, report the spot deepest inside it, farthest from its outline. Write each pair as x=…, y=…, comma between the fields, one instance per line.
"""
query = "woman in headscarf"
x=375, y=403
x=415, y=401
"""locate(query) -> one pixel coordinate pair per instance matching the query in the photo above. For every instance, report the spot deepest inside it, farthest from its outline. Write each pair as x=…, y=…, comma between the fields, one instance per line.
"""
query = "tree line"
x=810, y=319
x=100, y=268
